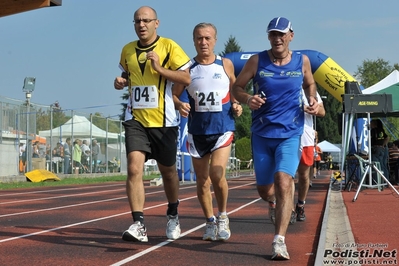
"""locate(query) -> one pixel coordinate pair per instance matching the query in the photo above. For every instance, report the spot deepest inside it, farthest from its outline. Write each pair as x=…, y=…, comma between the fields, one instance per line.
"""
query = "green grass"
x=70, y=181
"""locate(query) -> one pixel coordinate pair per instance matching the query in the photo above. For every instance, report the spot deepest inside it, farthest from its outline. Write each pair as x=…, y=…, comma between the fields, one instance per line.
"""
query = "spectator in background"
x=22, y=157
x=76, y=155
x=393, y=160
x=58, y=154
x=48, y=151
x=329, y=161
x=59, y=150
x=85, y=154
x=317, y=156
x=95, y=151
x=379, y=143
x=67, y=155
x=35, y=150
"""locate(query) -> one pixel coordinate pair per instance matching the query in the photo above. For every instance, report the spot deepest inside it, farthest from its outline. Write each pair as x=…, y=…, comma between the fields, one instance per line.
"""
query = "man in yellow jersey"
x=149, y=67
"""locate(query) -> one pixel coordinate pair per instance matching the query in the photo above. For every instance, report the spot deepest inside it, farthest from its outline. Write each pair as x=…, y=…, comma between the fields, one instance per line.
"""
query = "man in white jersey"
x=210, y=111
x=307, y=158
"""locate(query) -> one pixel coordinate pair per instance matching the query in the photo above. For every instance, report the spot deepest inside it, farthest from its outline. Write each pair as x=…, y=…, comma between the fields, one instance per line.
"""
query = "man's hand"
x=154, y=58
x=237, y=109
x=120, y=83
x=313, y=107
x=184, y=109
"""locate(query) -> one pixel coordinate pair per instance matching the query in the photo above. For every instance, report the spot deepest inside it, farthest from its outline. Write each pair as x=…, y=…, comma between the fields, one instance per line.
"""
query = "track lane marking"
x=103, y=218
x=148, y=250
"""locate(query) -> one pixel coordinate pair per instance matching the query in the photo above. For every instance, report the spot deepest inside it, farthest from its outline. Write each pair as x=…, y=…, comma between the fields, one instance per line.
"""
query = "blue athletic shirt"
x=282, y=115
x=209, y=98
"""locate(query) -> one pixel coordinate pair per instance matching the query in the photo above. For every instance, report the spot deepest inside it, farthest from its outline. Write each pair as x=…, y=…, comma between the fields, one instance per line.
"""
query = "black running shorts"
x=158, y=143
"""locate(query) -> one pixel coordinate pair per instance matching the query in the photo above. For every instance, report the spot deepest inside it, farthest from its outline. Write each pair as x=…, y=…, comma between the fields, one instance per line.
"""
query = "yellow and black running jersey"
x=151, y=100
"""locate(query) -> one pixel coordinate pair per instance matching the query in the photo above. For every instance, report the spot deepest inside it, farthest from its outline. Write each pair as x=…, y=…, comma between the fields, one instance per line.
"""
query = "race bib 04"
x=144, y=97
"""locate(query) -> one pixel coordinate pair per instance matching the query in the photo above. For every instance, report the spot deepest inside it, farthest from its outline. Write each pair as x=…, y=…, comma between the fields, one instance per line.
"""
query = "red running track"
x=82, y=225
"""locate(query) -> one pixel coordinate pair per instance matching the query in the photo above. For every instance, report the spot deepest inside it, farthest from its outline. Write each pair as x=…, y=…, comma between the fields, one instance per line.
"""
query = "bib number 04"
x=144, y=97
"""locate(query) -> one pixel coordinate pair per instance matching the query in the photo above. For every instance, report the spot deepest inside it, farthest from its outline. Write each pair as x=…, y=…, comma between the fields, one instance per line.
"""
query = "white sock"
x=276, y=237
x=222, y=213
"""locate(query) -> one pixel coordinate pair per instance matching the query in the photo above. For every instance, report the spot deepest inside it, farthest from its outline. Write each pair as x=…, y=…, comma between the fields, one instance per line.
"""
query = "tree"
x=243, y=149
x=43, y=118
x=243, y=124
x=231, y=46
x=328, y=127
x=124, y=97
x=101, y=122
x=371, y=72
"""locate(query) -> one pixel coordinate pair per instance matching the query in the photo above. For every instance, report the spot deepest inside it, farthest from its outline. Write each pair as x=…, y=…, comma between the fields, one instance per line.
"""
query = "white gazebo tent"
x=79, y=127
x=326, y=146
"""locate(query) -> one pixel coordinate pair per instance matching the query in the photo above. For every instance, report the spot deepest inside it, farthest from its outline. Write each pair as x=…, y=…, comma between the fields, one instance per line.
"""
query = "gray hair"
x=204, y=25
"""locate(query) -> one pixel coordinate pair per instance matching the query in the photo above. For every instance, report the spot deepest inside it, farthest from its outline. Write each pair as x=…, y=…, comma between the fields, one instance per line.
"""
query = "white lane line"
x=84, y=222
x=5, y=194
x=63, y=196
x=61, y=207
x=98, y=219
x=148, y=250
x=68, y=195
x=75, y=205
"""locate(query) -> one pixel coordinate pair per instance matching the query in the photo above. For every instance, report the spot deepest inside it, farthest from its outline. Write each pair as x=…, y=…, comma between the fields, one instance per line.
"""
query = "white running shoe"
x=223, y=232
x=279, y=250
x=211, y=231
x=136, y=232
x=173, y=227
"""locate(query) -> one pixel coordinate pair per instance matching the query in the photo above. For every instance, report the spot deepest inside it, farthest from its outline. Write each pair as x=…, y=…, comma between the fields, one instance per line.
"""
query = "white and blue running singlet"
x=209, y=98
x=282, y=115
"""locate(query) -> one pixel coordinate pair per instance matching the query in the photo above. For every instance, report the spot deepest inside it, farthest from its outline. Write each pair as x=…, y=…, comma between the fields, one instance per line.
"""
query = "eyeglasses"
x=277, y=34
x=145, y=20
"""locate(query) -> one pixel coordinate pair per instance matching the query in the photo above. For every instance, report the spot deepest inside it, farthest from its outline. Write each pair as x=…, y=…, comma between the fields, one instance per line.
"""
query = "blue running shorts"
x=274, y=155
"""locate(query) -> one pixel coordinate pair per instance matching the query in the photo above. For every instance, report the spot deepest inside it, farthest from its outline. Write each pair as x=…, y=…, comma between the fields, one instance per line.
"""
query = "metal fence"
x=49, y=127
x=42, y=129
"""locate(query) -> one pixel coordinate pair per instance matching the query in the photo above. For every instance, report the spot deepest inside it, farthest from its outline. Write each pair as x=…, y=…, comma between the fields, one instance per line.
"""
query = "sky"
x=73, y=50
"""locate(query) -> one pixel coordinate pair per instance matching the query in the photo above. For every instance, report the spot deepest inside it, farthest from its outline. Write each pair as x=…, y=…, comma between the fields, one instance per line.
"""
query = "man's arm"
x=176, y=76
x=246, y=74
x=182, y=107
x=229, y=68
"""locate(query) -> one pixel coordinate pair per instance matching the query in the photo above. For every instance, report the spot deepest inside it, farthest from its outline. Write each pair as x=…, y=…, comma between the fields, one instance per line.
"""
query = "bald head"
x=146, y=10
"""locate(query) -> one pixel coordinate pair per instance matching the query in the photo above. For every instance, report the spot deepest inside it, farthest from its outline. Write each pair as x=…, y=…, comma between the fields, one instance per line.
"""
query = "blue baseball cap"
x=279, y=24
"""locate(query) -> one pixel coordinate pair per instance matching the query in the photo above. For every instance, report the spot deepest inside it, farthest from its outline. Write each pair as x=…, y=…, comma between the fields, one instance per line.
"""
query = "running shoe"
x=211, y=231
x=293, y=217
x=279, y=250
x=272, y=213
x=173, y=227
x=300, y=213
x=136, y=233
x=223, y=232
